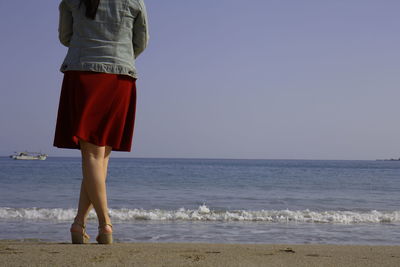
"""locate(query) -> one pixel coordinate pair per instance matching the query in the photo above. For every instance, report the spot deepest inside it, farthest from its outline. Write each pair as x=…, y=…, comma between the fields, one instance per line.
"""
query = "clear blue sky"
x=285, y=79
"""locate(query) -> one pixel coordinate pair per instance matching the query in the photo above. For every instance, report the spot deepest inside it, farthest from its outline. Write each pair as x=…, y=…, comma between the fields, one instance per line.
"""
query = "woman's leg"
x=106, y=159
x=106, y=229
x=85, y=205
x=94, y=179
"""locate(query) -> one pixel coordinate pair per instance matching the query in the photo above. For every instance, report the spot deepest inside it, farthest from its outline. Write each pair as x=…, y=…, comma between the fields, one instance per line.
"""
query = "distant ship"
x=392, y=159
x=388, y=159
x=29, y=156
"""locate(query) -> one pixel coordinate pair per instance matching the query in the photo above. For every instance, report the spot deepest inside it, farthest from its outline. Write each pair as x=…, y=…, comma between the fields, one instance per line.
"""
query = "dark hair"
x=91, y=7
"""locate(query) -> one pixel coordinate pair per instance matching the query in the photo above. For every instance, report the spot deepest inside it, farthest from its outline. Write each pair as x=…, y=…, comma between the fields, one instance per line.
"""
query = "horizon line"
x=211, y=158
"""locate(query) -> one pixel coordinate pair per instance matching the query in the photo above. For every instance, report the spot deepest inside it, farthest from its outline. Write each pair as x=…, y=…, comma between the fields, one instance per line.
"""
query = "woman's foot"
x=78, y=233
x=105, y=234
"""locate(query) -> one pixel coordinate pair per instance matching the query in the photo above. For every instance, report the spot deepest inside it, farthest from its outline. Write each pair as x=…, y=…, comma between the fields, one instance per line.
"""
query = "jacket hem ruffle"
x=101, y=67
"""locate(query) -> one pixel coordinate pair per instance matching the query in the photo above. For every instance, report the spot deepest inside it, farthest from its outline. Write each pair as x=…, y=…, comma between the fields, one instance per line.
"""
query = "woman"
x=98, y=97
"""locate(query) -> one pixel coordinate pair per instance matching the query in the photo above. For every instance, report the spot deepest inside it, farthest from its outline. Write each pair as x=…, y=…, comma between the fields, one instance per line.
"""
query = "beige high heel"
x=105, y=238
x=80, y=237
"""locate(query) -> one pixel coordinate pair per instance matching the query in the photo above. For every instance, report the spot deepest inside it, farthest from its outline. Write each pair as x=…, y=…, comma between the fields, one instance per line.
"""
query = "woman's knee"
x=91, y=151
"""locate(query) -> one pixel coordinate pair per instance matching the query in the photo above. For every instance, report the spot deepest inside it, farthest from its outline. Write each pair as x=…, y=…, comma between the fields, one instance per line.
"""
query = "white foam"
x=204, y=213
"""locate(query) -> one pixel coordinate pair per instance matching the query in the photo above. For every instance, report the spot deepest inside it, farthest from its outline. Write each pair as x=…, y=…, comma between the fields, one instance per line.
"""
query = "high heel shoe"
x=105, y=238
x=80, y=237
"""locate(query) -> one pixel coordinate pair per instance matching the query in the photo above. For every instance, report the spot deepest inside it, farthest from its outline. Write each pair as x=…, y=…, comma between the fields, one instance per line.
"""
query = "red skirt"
x=98, y=108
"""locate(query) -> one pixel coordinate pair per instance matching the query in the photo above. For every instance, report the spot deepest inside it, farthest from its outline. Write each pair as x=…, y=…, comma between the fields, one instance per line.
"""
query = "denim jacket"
x=110, y=43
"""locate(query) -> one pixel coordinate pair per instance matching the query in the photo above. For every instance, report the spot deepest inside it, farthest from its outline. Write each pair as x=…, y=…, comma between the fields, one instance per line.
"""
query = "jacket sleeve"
x=65, y=24
x=140, y=37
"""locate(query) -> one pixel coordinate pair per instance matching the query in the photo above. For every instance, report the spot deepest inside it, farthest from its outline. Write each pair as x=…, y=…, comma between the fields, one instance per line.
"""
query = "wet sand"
x=35, y=253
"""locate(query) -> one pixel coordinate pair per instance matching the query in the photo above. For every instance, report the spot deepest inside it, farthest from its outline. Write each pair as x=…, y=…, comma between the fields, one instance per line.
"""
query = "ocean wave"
x=204, y=213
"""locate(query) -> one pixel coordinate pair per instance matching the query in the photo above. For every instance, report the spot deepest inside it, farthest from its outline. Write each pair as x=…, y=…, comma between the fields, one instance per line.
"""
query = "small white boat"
x=29, y=156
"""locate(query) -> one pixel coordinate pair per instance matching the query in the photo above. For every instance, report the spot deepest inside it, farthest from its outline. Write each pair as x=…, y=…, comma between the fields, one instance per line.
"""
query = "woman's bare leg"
x=94, y=179
x=106, y=159
x=107, y=153
x=85, y=205
x=91, y=160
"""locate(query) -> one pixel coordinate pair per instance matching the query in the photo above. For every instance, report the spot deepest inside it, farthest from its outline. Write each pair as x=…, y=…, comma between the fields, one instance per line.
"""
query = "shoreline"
x=36, y=253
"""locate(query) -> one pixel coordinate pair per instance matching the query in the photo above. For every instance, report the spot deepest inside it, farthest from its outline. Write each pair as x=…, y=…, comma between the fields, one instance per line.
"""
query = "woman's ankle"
x=80, y=221
x=104, y=219
x=105, y=225
x=105, y=228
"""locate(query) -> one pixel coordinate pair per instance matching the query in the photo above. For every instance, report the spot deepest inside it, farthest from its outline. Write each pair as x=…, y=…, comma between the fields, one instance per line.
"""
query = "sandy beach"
x=34, y=253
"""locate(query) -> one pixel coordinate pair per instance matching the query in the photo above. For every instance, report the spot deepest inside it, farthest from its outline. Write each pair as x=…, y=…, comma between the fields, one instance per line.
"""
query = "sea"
x=209, y=200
